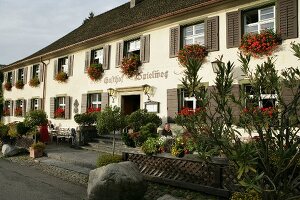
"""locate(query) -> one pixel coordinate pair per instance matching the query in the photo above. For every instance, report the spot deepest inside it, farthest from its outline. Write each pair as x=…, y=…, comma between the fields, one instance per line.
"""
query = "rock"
x=117, y=181
x=167, y=197
x=8, y=150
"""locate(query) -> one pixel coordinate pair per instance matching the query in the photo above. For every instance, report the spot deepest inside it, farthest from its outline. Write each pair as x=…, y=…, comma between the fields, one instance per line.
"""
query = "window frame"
x=21, y=74
x=136, y=51
x=62, y=104
x=35, y=70
x=34, y=104
x=183, y=38
x=63, y=65
x=9, y=77
x=93, y=60
x=97, y=103
x=261, y=97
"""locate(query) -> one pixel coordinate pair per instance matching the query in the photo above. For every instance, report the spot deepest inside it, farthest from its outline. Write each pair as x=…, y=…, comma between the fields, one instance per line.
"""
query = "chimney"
x=133, y=3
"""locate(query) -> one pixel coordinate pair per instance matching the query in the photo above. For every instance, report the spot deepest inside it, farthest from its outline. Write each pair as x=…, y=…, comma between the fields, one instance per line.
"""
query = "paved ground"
x=26, y=183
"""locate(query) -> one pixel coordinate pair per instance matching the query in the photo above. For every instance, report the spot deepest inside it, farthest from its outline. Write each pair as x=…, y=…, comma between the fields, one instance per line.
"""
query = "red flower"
x=95, y=71
x=130, y=66
x=6, y=112
x=91, y=110
x=59, y=113
x=194, y=51
x=18, y=111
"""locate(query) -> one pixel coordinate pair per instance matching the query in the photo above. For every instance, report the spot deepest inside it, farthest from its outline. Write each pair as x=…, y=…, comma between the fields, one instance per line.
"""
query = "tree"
x=91, y=16
x=35, y=118
x=110, y=120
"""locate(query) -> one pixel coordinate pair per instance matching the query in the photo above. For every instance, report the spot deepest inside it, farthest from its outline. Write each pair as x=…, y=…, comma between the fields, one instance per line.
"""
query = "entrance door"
x=130, y=103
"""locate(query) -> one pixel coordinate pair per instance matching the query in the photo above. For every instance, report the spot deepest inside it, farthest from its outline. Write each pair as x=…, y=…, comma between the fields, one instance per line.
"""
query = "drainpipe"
x=44, y=79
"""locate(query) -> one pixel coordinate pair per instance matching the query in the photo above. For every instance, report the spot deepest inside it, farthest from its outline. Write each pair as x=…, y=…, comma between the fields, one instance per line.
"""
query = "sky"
x=27, y=26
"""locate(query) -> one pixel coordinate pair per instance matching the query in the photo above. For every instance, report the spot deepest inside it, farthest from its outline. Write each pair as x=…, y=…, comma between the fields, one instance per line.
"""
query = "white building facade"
x=217, y=24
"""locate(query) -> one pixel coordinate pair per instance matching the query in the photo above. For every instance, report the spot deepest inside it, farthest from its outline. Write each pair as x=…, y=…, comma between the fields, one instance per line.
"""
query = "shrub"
x=194, y=51
x=8, y=86
x=19, y=84
x=35, y=118
x=150, y=147
x=12, y=132
x=61, y=77
x=3, y=130
x=86, y=119
x=38, y=146
x=141, y=118
x=147, y=131
x=253, y=195
x=126, y=138
x=108, y=159
x=34, y=82
x=95, y=71
x=21, y=128
x=130, y=66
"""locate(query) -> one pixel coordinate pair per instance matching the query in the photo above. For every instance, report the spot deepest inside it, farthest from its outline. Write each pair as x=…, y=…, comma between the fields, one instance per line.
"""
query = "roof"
x=118, y=18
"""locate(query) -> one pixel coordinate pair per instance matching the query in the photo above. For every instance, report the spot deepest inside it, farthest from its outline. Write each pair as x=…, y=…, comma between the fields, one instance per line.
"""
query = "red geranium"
x=194, y=51
x=189, y=111
x=91, y=110
x=59, y=113
x=95, y=71
x=18, y=112
x=260, y=44
x=6, y=112
x=61, y=77
x=130, y=65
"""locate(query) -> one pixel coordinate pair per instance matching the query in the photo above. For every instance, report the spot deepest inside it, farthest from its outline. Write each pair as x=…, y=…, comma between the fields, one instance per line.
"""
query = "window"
x=34, y=104
x=19, y=108
x=193, y=34
x=35, y=71
x=259, y=19
x=94, y=101
x=7, y=108
x=264, y=100
x=132, y=47
x=97, y=56
x=63, y=65
x=21, y=74
x=9, y=77
x=187, y=102
x=61, y=102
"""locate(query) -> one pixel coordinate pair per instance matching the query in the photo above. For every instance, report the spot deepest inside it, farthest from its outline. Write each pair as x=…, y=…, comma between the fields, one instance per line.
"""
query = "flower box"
x=95, y=72
x=59, y=113
x=8, y=86
x=194, y=51
x=130, y=65
x=19, y=84
x=34, y=82
x=61, y=77
x=92, y=110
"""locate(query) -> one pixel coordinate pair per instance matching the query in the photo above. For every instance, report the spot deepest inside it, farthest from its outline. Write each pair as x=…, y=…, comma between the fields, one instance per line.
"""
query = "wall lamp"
x=146, y=90
x=111, y=92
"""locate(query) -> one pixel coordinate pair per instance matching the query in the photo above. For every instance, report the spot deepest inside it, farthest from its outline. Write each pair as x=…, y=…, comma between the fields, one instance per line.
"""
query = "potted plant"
x=37, y=149
x=150, y=147
x=260, y=44
x=178, y=147
x=61, y=77
x=95, y=71
x=34, y=82
x=130, y=65
x=59, y=113
x=8, y=86
x=19, y=84
x=194, y=51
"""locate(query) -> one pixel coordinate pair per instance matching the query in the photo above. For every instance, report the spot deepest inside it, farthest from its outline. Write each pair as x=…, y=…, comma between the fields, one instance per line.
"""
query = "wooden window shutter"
x=67, y=107
x=11, y=110
x=41, y=68
x=40, y=104
x=104, y=100
x=174, y=41
x=55, y=70
x=119, y=53
x=30, y=72
x=25, y=75
x=212, y=33
x=52, y=107
x=145, y=49
x=106, y=57
x=287, y=15
x=87, y=60
x=5, y=77
x=70, y=65
x=233, y=29
x=24, y=108
x=29, y=105
x=84, y=103
x=13, y=77
x=172, y=104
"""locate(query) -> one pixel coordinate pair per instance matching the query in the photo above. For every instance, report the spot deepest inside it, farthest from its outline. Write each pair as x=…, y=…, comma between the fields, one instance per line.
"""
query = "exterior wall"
x=168, y=68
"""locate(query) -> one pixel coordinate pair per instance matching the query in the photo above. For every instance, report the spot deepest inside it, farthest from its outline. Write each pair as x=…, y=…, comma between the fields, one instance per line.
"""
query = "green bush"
x=128, y=140
x=147, y=131
x=3, y=130
x=108, y=159
x=12, y=132
x=141, y=118
x=86, y=119
x=38, y=146
x=35, y=118
x=150, y=146
x=22, y=129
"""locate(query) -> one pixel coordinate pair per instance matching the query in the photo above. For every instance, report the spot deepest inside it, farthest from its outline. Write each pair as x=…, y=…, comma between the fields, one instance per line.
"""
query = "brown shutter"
x=52, y=107
x=172, y=104
x=212, y=33
x=29, y=105
x=11, y=110
x=25, y=75
x=106, y=57
x=41, y=68
x=233, y=20
x=67, y=107
x=119, y=53
x=87, y=60
x=55, y=70
x=70, y=65
x=84, y=103
x=145, y=49
x=5, y=77
x=24, y=107
x=174, y=41
x=30, y=72
x=287, y=15
x=104, y=100
x=13, y=77
x=40, y=104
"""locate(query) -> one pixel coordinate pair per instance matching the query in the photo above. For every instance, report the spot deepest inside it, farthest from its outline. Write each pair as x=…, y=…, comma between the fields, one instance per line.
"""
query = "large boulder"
x=117, y=181
x=9, y=150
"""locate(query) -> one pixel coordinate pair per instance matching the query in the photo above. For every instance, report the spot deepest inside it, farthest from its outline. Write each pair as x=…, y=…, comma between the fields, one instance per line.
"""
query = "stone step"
x=108, y=148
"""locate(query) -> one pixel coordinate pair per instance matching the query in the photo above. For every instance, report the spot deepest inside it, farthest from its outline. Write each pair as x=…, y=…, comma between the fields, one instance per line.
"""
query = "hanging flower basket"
x=8, y=86
x=259, y=45
x=61, y=77
x=95, y=72
x=34, y=82
x=194, y=51
x=130, y=65
x=19, y=84
x=59, y=113
x=18, y=112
